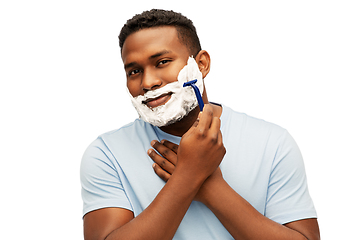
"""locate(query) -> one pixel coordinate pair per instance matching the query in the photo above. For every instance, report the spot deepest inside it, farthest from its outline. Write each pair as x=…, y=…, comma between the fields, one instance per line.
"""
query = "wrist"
x=211, y=188
x=188, y=179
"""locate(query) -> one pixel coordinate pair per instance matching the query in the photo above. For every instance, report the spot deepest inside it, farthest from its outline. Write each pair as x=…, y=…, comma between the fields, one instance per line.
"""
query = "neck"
x=181, y=127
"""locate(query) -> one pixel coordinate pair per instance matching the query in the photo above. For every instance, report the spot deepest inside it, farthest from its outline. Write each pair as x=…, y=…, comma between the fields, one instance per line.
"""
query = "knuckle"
x=223, y=150
x=165, y=152
x=214, y=138
x=201, y=134
x=163, y=176
x=208, y=110
x=196, y=123
x=218, y=119
x=174, y=148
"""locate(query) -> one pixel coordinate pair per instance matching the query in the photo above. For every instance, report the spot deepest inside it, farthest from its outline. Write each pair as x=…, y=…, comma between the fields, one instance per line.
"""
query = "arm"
x=162, y=217
x=227, y=205
x=158, y=221
x=238, y=216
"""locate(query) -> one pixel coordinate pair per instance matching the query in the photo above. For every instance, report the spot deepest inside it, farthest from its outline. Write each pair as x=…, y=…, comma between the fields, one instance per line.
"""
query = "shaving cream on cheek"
x=182, y=101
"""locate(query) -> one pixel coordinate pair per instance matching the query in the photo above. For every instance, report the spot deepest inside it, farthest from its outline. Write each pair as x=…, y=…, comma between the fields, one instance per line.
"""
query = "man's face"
x=153, y=58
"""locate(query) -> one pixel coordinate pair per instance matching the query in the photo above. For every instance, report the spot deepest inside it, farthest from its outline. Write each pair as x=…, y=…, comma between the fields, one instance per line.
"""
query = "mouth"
x=158, y=101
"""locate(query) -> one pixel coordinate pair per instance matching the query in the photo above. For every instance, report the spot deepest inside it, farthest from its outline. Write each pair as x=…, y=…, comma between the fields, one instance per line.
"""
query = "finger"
x=174, y=147
x=219, y=138
x=215, y=124
x=161, y=172
x=214, y=130
x=196, y=123
x=220, y=141
x=205, y=119
x=161, y=162
x=193, y=127
x=166, y=152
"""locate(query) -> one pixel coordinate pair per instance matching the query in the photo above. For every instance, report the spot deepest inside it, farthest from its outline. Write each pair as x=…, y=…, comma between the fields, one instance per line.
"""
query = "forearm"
x=163, y=216
x=241, y=219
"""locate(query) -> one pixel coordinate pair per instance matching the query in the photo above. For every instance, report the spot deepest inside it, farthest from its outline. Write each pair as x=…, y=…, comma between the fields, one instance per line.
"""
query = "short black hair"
x=156, y=18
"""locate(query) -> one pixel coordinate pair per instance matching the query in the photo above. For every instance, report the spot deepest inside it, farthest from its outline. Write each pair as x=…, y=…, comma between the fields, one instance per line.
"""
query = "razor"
x=197, y=92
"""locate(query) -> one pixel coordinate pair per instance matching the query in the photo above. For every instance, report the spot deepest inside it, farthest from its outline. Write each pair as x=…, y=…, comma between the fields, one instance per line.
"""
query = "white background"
x=294, y=63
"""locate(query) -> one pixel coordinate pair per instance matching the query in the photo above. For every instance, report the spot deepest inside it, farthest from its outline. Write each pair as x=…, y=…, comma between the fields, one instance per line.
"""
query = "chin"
x=187, y=109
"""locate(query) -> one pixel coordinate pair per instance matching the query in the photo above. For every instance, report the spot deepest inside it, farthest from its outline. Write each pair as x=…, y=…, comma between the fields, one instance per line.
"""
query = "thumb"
x=192, y=128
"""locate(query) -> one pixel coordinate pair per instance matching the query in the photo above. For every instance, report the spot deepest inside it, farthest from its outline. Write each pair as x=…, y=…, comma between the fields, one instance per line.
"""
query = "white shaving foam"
x=183, y=99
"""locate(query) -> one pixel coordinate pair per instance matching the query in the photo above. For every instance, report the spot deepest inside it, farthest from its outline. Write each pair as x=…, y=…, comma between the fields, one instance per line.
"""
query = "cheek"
x=170, y=74
x=133, y=88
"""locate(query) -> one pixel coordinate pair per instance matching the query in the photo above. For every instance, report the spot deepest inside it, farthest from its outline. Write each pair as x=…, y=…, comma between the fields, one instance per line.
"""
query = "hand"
x=165, y=164
x=201, y=149
x=210, y=153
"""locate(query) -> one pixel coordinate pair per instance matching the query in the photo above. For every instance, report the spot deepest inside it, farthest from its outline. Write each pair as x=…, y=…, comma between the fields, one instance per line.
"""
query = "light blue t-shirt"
x=262, y=163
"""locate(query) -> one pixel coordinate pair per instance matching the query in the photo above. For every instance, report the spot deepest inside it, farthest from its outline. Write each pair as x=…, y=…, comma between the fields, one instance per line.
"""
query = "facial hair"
x=182, y=102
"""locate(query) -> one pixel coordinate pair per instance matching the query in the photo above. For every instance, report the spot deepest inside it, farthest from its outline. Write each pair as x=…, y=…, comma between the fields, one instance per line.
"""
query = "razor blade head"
x=189, y=83
x=197, y=92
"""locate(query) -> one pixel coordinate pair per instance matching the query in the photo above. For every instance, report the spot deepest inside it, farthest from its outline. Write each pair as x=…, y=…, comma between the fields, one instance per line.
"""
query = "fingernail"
x=149, y=151
x=154, y=165
x=152, y=143
x=162, y=141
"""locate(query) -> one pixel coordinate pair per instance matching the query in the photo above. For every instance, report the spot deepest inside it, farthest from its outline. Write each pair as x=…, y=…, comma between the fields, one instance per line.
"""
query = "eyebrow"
x=156, y=55
x=129, y=65
x=159, y=54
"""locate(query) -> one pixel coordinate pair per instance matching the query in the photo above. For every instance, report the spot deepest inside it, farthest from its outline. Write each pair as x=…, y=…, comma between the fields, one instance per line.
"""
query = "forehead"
x=148, y=41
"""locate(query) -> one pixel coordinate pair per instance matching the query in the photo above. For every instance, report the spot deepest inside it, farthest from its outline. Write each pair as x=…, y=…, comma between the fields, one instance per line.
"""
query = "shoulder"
x=138, y=124
x=100, y=147
x=130, y=132
x=120, y=148
x=249, y=127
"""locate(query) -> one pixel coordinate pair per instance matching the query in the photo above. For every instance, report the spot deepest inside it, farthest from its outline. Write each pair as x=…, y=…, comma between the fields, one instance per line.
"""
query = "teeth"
x=150, y=99
x=154, y=94
x=153, y=98
x=168, y=88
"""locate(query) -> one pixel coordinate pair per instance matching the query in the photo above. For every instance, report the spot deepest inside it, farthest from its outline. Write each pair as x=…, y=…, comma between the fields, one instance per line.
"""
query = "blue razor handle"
x=197, y=92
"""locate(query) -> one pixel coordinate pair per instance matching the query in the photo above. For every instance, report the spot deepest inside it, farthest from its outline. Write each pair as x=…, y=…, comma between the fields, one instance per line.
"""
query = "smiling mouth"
x=158, y=101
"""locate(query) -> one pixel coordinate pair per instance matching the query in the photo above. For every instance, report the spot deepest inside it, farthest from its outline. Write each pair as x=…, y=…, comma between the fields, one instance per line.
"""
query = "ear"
x=203, y=61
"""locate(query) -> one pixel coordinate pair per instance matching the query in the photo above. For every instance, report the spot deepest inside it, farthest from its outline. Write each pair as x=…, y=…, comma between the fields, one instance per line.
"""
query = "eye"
x=133, y=72
x=163, y=62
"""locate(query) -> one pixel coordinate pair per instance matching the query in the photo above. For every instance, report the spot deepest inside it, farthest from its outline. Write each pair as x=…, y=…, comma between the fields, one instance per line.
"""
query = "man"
x=215, y=174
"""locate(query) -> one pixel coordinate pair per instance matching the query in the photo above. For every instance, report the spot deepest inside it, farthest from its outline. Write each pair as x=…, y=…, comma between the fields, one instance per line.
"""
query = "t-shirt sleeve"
x=288, y=197
x=100, y=181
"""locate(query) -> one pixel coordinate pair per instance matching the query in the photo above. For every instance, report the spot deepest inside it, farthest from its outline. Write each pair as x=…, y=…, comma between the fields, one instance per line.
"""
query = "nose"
x=150, y=81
